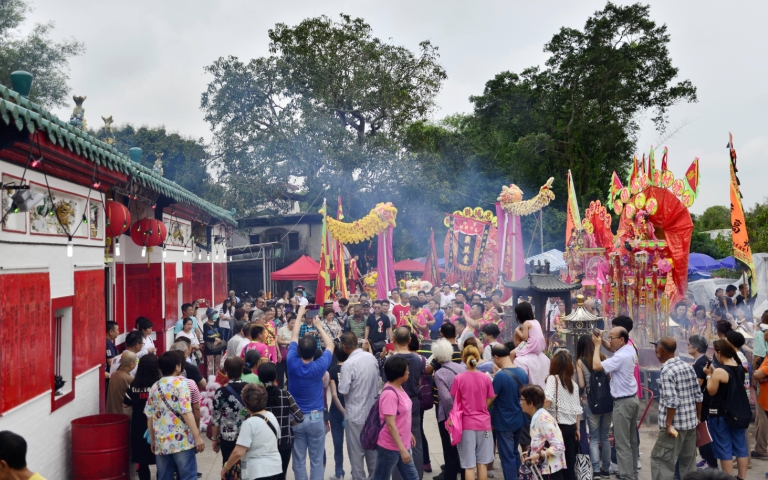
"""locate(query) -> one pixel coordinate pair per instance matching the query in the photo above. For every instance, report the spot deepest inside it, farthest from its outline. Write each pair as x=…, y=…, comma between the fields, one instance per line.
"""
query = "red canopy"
x=302, y=269
x=409, y=266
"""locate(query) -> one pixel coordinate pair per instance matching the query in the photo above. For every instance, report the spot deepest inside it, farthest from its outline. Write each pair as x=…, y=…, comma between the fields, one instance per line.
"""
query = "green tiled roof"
x=18, y=111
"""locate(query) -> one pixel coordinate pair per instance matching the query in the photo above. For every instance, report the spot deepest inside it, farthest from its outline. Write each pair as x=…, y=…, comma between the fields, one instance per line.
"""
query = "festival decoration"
x=369, y=285
x=118, y=218
x=323, y=292
x=464, y=247
x=511, y=199
x=431, y=269
x=377, y=221
x=385, y=263
x=338, y=257
x=148, y=232
x=477, y=213
x=742, y=252
x=692, y=176
x=572, y=220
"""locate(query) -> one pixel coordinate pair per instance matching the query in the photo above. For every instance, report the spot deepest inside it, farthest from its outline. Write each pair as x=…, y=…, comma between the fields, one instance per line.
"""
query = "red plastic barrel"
x=100, y=447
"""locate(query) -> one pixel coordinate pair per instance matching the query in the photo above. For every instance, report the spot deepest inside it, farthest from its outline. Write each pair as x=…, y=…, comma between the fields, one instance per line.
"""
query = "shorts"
x=475, y=447
x=727, y=442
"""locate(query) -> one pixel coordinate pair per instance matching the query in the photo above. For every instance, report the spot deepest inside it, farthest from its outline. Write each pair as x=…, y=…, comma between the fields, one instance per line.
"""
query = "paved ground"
x=209, y=462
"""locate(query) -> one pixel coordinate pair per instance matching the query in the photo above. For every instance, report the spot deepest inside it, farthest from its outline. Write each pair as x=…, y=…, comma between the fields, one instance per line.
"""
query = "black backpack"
x=736, y=410
x=599, y=396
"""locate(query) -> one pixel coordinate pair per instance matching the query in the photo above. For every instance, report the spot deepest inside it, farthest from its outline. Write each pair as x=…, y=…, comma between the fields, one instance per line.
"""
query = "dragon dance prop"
x=742, y=252
x=470, y=246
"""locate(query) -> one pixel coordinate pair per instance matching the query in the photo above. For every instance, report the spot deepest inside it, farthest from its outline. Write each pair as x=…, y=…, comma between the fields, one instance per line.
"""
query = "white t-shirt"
x=261, y=459
x=446, y=299
x=303, y=302
x=148, y=343
x=487, y=354
x=191, y=336
x=241, y=346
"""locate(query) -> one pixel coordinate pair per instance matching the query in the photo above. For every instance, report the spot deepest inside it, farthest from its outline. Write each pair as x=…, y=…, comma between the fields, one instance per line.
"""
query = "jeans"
x=599, y=430
x=416, y=451
x=183, y=462
x=309, y=437
x=337, y=433
x=387, y=460
x=625, y=412
x=508, y=443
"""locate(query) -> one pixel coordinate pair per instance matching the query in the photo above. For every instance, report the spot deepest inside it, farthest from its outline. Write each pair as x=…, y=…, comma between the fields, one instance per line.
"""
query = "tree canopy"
x=35, y=53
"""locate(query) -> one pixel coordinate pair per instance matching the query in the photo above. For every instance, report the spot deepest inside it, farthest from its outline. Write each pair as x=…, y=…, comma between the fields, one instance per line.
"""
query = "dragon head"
x=387, y=213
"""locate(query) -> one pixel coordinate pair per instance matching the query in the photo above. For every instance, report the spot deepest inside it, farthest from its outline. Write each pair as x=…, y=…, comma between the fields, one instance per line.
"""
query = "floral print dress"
x=172, y=435
x=544, y=430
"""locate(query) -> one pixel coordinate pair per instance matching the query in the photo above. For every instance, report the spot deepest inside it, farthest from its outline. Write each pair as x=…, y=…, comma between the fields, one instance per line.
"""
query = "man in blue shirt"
x=434, y=329
x=305, y=383
x=187, y=311
x=508, y=419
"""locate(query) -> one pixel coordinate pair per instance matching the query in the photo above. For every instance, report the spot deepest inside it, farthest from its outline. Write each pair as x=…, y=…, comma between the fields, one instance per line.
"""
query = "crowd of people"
x=283, y=373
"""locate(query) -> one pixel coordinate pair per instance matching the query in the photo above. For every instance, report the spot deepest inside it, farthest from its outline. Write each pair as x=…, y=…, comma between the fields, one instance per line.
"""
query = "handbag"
x=454, y=425
x=702, y=434
x=212, y=349
x=530, y=471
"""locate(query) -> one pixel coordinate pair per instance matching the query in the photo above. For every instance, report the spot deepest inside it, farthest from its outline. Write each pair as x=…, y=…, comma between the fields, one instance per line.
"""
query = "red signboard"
x=202, y=282
x=26, y=363
x=171, y=295
x=143, y=294
x=88, y=320
x=219, y=282
x=119, y=293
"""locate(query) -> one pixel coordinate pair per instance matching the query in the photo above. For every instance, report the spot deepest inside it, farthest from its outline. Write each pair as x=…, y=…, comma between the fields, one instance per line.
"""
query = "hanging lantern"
x=118, y=218
x=148, y=232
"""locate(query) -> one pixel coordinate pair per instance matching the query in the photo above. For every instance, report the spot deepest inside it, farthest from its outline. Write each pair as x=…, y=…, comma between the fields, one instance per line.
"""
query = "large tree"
x=36, y=53
x=580, y=111
x=326, y=110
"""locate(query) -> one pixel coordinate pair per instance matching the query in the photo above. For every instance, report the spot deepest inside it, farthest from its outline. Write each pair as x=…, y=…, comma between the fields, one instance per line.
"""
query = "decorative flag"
x=634, y=173
x=692, y=176
x=616, y=187
x=642, y=167
x=323, y=292
x=338, y=253
x=664, y=160
x=573, y=219
x=651, y=166
x=431, y=269
x=742, y=252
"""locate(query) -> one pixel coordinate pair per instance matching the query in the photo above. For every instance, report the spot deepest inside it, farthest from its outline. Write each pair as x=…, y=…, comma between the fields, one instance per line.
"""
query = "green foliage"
x=717, y=217
x=703, y=243
x=326, y=110
x=185, y=160
x=579, y=112
x=35, y=53
x=757, y=226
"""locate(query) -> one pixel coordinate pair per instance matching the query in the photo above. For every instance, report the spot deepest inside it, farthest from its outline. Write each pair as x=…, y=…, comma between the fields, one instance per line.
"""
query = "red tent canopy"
x=302, y=269
x=409, y=266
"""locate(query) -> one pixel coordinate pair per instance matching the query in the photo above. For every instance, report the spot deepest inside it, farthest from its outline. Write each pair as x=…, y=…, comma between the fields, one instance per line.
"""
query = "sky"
x=144, y=62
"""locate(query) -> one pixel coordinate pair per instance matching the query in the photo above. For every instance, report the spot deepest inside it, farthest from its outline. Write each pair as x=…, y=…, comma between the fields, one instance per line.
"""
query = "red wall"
x=171, y=295
x=186, y=283
x=26, y=366
x=219, y=282
x=202, y=286
x=88, y=320
x=143, y=294
x=120, y=297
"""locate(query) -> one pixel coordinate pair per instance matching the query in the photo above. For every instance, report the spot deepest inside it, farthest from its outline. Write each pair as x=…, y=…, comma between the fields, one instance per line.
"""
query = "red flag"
x=634, y=173
x=431, y=269
x=692, y=177
x=664, y=160
x=616, y=187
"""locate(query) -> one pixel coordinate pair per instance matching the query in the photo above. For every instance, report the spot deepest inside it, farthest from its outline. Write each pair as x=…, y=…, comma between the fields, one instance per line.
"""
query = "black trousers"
x=571, y=449
x=450, y=455
x=285, y=456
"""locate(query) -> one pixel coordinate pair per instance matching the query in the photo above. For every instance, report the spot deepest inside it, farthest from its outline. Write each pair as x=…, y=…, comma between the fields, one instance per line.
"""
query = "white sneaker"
x=490, y=474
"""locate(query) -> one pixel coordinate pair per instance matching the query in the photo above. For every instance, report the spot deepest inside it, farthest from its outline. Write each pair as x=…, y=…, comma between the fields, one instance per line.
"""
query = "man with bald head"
x=679, y=412
x=120, y=381
x=626, y=406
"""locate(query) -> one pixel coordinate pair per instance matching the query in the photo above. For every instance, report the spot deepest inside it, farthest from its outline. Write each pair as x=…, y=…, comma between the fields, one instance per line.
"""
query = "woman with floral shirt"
x=330, y=324
x=228, y=411
x=544, y=431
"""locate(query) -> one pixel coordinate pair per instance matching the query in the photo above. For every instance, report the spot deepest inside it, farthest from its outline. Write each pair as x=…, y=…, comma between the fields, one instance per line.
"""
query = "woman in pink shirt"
x=529, y=330
x=473, y=393
x=395, y=438
x=258, y=336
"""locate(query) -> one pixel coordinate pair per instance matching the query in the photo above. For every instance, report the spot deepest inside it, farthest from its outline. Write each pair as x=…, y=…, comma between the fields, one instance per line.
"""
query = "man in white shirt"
x=144, y=325
x=133, y=343
x=552, y=312
x=446, y=295
x=237, y=338
x=462, y=332
x=626, y=406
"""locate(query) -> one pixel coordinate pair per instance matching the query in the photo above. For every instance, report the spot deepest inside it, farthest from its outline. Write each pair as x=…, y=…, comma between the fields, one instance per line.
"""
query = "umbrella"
x=729, y=263
x=700, y=261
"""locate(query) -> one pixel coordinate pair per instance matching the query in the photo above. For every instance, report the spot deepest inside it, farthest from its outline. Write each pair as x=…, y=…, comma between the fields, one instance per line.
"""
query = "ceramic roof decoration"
x=15, y=110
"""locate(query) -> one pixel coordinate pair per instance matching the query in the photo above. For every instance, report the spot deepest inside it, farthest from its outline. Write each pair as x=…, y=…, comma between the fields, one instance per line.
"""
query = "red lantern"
x=148, y=232
x=118, y=218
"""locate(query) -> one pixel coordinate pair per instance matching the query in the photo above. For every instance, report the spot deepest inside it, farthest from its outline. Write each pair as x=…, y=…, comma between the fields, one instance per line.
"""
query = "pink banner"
x=385, y=264
x=510, y=244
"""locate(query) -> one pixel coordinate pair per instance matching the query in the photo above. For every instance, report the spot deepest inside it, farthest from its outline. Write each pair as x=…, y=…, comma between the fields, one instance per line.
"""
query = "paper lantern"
x=148, y=232
x=118, y=218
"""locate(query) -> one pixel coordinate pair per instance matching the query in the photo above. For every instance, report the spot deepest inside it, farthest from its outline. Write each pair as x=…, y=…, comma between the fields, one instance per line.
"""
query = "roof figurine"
x=78, y=114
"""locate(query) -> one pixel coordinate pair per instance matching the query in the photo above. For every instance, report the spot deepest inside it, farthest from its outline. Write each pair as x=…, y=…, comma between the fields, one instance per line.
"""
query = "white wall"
x=48, y=435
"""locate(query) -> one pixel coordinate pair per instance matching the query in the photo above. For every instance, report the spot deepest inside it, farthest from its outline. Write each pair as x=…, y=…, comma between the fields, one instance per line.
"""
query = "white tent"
x=761, y=268
x=555, y=257
x=704, y=290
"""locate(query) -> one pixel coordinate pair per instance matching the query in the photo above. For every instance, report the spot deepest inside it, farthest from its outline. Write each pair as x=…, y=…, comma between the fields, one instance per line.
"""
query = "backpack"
x=736, y=410
x=369, y=435
x=599, y=396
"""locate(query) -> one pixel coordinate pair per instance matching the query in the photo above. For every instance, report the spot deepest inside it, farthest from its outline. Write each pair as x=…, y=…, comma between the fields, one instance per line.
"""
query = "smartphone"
x=596, y=331
x=708, y=364
x=313, y=310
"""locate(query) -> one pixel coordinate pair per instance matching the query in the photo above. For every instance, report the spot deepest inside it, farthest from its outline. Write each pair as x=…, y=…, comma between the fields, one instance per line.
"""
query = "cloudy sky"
x=144, y=61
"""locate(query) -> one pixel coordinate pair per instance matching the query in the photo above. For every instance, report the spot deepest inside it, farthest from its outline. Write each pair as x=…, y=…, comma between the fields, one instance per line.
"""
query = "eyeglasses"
x=613, y=338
